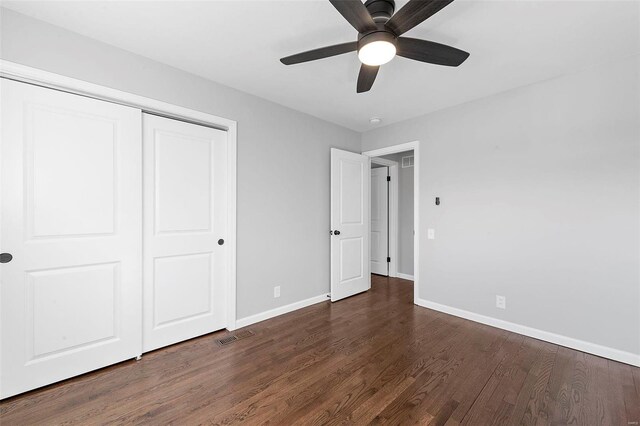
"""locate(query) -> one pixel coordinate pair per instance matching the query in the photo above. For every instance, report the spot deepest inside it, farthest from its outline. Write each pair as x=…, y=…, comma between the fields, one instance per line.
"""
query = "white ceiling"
x=238, y=43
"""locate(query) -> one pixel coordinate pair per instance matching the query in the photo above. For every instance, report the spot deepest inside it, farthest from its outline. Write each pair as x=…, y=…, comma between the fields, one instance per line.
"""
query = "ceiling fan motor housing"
x=380, y=10
x=382, y=35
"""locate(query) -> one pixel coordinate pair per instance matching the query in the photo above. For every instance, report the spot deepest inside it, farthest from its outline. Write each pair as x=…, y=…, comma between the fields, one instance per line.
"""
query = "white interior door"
x=185, y=218
x=71, y=217
x=379, y=221
x=350, y=266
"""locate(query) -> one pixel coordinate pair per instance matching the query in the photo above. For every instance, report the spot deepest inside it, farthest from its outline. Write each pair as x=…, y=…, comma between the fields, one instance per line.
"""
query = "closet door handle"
x=5, y=257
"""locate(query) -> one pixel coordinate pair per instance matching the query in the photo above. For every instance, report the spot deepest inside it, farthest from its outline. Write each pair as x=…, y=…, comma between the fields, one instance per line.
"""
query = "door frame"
x=13, y=71
x=394, y=149
x=393, y=212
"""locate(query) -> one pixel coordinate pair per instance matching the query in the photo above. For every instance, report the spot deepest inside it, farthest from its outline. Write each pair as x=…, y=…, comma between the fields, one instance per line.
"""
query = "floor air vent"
x=234, y=337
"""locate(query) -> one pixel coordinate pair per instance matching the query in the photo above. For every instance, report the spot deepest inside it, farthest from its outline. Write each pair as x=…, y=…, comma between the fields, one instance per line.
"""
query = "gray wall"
x=405, y=213
x=540, y=203
x=283, y=157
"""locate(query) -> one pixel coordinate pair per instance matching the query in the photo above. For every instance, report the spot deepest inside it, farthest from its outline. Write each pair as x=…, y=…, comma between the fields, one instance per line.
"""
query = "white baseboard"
x=243, y=322
x=581, y=345
x=405, y=276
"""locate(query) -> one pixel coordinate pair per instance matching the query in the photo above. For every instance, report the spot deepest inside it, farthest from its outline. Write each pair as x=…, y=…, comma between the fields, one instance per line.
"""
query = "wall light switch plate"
x=431, y=234
x=276, y=291
x=501, y=302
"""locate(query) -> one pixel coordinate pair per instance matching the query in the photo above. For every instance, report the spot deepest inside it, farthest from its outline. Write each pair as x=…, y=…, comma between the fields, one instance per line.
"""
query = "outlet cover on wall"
x=431, y=234
x=276, y=291
x=501, y=302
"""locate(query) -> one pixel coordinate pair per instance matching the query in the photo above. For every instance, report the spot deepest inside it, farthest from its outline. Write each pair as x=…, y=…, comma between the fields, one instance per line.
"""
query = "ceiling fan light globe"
x=377, y=53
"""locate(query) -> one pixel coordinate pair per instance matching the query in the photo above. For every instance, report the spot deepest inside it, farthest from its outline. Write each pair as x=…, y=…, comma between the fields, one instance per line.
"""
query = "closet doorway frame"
x=38, y=77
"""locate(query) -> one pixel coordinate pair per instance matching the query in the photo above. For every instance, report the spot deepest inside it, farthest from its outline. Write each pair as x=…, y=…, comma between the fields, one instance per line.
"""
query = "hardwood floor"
x=372, y=358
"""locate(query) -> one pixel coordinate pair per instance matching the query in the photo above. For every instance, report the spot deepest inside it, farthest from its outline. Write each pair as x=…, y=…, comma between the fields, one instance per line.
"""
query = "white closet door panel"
x=185, y=216
x=182, y=182
x=71, y=217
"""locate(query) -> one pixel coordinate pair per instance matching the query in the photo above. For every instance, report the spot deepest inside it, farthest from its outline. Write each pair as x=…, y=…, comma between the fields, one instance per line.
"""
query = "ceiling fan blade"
x=356, y=14
x=414, y=13
x=323, y=52
x=366, y=77
x=428, y=51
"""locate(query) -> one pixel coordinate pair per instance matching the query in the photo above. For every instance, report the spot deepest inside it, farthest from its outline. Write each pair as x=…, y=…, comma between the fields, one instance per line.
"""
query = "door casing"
x=393, y=149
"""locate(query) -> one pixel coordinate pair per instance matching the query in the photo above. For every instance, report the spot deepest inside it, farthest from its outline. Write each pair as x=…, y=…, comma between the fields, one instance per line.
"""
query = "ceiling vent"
x=407, y=161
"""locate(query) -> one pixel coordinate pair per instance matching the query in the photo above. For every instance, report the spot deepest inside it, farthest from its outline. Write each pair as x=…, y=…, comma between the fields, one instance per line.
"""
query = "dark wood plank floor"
x=373, y=358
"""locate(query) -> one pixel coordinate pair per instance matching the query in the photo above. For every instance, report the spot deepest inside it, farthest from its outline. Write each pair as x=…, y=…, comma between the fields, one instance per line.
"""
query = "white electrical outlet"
x=431, y=234
x=501, y=302
x=276, y=291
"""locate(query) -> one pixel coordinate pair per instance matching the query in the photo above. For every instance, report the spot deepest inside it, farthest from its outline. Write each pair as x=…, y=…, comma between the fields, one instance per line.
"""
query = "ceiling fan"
x=379, y=40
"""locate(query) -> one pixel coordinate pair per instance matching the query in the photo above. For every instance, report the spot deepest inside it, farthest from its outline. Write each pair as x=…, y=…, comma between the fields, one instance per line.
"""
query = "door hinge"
x=388, y=178
x=388, y=259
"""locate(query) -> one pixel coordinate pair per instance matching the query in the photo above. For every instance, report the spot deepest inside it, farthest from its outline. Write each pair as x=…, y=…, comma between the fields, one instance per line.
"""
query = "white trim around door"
x=415, y=145
x=18, y=72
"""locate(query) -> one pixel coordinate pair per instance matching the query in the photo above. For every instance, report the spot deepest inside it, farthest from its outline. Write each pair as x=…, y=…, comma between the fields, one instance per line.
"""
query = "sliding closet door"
x=185, y=217
x=71, y=294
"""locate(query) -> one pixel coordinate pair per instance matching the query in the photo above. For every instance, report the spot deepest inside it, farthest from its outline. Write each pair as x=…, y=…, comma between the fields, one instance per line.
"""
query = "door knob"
x=220, y=242
x=336, y=232
x=5, y=257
